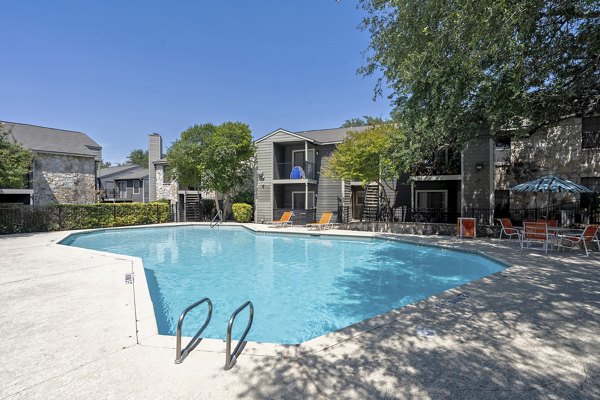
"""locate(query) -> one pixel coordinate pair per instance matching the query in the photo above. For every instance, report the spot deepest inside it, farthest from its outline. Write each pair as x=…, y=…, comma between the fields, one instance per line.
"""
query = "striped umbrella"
x=550, y=184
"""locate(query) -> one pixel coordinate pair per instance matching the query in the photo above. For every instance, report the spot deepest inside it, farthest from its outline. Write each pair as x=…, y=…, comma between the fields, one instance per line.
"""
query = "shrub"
x=81, y=216
x=242, y=212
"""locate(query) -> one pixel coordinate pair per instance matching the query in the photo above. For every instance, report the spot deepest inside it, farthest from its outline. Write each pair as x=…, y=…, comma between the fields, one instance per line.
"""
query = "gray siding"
x=476, y=183
x=264, y=181
x=154, y=154
x=328, y=189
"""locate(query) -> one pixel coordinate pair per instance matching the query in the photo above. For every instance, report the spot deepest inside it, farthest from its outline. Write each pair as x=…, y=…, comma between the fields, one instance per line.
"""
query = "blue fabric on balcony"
x=297, y=173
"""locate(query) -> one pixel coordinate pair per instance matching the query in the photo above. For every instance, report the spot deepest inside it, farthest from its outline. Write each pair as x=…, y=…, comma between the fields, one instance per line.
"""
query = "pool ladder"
x=216, y=222
x=230, y=357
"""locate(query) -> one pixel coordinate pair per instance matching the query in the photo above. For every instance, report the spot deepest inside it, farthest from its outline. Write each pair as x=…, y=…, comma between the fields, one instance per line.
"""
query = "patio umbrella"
x=550, y=184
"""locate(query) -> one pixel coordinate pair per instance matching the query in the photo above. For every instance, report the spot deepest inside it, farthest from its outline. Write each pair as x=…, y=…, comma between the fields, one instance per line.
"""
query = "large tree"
x=15, y=162
x=138, y=157
x=367, y=156
x=459, y=69
x=366, y=120
x=215, y=158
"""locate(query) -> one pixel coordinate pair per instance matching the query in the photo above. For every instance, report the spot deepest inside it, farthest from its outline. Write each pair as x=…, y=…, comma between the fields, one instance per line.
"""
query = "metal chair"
x=589, y=235
x=507, y=228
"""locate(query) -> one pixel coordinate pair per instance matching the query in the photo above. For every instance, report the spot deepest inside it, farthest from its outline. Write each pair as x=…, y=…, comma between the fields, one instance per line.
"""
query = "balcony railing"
x=116, y=194
x=288, y=170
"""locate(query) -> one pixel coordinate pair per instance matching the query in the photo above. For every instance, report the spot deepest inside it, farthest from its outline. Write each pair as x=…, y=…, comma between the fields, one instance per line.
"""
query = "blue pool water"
x=301, y=286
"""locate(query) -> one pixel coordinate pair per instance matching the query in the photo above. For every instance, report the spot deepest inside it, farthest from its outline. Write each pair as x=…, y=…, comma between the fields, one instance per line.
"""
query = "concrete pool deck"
x=69, y=329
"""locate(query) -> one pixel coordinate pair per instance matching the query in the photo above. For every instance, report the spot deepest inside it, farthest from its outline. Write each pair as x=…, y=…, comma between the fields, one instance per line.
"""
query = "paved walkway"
x=68, y=330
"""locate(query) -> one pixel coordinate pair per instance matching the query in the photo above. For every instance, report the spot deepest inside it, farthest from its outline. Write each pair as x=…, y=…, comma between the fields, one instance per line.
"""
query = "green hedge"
x=55, y=217
x=242, y=212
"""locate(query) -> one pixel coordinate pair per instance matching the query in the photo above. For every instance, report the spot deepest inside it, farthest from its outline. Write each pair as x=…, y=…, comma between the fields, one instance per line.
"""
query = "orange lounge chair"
x=535, y=232
x=286, y=219
x=589, y=235
x=466, y=227
x=324, y=222
x=508, y=229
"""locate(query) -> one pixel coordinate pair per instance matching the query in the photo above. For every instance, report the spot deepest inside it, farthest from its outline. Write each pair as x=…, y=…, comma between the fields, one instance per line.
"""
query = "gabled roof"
x=318, y=136
x=123, y=172
x=50, y=140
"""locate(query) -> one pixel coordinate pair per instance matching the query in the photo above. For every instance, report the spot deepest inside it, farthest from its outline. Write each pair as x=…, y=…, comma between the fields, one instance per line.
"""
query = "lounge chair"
x=535, y=232
x=324, y=222
x=285, y=220
x=507, y=228
x=589, y=235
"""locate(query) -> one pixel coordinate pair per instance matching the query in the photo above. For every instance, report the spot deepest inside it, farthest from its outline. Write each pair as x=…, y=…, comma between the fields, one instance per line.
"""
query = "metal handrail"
x=220, y=215
x=230, y=358
x=179, y=354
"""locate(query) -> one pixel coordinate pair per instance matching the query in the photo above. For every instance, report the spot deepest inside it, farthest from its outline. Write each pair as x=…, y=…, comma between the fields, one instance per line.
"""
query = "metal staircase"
x=193, y=207
x=371, y=205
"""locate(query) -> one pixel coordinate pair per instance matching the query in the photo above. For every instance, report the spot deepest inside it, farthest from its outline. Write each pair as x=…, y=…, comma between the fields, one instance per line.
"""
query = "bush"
x=242, y=212
x=81, y=216
x=246, y=196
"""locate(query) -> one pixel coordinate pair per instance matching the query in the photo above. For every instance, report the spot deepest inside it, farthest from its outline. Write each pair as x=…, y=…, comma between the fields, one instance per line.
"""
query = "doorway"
x=358, y=201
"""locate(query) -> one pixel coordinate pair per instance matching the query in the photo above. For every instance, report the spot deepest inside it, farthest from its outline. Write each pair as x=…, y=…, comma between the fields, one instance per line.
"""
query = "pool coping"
x=145, y=319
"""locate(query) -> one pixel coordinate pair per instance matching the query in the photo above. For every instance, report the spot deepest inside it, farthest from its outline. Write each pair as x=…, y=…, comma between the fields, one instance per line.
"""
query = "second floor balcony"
x=303, y=170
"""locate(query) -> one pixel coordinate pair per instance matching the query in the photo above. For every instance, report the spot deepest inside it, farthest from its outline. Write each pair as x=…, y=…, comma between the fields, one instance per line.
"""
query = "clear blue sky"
x=119, y=70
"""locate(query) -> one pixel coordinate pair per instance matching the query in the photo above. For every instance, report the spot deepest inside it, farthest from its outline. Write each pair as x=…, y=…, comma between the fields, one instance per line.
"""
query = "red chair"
x=535, y=232
x=507, y=228
x=589, y=235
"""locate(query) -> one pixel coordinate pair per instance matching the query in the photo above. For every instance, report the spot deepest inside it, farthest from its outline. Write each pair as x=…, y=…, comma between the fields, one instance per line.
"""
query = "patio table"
x=553, y=232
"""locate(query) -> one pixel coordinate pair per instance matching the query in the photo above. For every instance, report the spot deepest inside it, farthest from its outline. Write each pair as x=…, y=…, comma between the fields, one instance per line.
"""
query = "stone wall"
x=417, y=228
x=555, y=150
x=63, y=179
x=165, y=190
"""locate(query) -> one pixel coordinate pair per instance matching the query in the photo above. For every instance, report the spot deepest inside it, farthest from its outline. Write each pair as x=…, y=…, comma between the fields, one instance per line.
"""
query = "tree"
x=461, y=69
x=105, y=164
x=364, y=121
x=16, y=162
x=227, y=160
x=367, y=156
x=138, y=157
x=185, y=155
x=217, y=158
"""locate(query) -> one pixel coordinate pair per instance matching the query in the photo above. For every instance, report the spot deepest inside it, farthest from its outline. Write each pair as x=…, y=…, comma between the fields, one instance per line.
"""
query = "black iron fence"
x=567, y=215
x=300, y=217
x=56, y=217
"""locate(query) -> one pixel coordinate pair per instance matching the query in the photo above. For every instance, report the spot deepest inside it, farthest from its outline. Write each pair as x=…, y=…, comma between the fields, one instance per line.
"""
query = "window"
x=432, y=199
x=502, y=152
x=298, y=200
x=587, y=200
x=166, y=175
x=590, y=133
x=136, y=187
x=122, y=185
x=502, y=203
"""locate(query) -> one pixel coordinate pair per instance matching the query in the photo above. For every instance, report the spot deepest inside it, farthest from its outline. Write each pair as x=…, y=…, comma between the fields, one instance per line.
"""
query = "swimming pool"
x=302, y=286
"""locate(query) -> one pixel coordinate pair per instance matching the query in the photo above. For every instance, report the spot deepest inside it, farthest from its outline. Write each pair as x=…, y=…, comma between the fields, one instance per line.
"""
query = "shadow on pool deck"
x=528, y=332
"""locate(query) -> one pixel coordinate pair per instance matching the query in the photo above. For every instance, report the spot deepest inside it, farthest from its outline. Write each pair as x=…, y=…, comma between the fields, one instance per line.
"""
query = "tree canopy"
x=16, y=162
x=214, y=157
x=366, y=120
x=138, y=157
x=367, y=156
x=459, y=69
